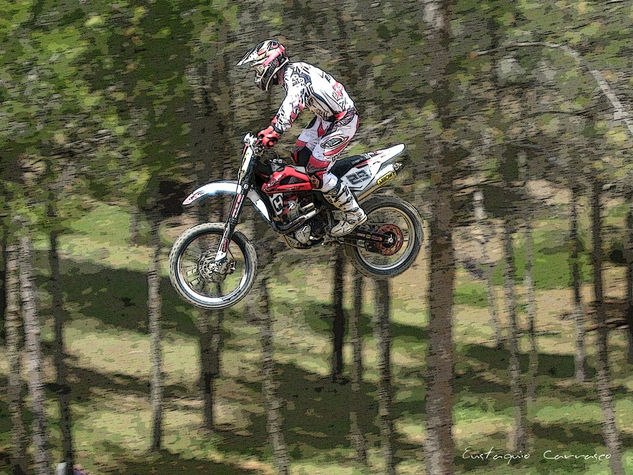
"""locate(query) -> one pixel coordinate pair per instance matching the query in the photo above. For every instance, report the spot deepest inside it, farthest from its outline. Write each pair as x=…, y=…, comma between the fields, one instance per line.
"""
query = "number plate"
x=358, y=177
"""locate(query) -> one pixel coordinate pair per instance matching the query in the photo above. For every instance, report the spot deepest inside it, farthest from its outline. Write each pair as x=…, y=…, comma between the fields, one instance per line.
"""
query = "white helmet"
x=267, y=58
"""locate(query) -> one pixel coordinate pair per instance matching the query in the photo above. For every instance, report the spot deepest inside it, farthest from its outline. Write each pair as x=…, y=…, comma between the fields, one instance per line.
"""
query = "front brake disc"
x=210, y=270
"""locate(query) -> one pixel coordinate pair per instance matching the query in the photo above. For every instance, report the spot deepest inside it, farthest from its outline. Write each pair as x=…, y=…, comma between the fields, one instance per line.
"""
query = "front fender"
x=228, y=187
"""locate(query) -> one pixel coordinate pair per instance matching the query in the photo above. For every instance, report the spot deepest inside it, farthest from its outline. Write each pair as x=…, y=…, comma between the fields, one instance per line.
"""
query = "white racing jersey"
x=308, y=87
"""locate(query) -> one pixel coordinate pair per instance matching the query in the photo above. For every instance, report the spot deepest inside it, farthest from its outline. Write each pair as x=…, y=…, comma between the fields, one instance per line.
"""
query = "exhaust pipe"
x=385, y=175
x=294, y=225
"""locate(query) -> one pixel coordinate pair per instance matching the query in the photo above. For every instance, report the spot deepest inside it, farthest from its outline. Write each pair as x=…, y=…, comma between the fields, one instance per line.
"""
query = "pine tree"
x=483, y=238
x=13, y=340
x=519, y=438
x=580, y=354
x=59, y=315
x=603, y=377
x=269, y=385
x=154, y=318
x=439, y=445
x=628, y=253
x=34, y=357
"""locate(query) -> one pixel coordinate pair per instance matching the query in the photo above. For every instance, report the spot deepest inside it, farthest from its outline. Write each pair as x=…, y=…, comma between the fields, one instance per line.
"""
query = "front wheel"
x=195, y=276
x=400, y=221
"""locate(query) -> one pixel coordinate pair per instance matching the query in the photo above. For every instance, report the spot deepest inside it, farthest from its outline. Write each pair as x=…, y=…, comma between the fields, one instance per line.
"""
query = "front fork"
x=221, y=262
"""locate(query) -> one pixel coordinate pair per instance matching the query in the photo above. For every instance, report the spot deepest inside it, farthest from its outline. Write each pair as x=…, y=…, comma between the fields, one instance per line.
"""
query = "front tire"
x=190, y=256
x=387, y=214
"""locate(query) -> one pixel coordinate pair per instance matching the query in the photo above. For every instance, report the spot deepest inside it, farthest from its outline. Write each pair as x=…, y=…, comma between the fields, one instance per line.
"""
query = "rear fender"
x=228, y=187
x=379, y=169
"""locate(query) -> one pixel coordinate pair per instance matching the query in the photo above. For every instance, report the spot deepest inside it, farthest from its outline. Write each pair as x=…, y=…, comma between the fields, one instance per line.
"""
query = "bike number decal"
x=358, y=177
x=278, y=202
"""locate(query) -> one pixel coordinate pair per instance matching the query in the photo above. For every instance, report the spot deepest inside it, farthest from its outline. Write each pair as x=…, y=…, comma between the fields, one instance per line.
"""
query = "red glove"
x=268, y=137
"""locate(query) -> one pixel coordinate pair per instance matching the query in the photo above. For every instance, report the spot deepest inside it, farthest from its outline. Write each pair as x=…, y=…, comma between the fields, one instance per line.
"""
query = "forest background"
x=511, y=334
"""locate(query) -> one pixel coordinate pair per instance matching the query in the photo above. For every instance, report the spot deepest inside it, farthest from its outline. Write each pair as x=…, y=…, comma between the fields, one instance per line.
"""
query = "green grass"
x=473, y=294
x=617, y=213
x=108, y=349
x=551, y=261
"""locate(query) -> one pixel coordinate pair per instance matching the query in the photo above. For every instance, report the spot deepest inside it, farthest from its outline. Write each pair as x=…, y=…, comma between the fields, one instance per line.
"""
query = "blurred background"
x=512, y=330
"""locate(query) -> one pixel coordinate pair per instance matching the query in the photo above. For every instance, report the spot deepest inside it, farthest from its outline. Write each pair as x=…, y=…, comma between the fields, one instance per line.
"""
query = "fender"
x=367, y=176
x=227, y=187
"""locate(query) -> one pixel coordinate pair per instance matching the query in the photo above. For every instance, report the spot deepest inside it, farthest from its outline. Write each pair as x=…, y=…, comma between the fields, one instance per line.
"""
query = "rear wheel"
x=199, y=280
x=400, y=221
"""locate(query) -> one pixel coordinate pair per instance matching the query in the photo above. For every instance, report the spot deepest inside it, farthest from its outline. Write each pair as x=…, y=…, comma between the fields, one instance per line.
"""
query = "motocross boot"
x=342, y=198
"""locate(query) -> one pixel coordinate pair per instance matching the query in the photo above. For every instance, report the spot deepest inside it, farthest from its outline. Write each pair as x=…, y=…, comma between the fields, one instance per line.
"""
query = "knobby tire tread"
x=372, y=204
x=214, y=228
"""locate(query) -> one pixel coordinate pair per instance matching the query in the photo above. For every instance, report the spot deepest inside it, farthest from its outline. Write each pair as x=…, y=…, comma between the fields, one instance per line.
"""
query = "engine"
x=312, y=231
x=293, y=209
x=284, y=185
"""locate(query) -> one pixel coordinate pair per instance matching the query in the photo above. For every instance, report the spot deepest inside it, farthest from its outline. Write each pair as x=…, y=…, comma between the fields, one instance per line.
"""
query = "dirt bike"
x=213, y=265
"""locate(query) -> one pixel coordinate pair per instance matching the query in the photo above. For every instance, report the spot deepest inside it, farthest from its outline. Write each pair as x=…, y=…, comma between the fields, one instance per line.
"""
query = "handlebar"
x=251, y=140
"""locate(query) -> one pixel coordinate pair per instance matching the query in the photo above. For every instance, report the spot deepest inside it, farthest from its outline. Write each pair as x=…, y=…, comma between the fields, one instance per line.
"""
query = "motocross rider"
x=325, y=137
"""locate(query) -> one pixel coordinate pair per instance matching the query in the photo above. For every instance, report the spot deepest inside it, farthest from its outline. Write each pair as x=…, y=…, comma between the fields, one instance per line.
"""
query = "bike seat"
x=342, y=166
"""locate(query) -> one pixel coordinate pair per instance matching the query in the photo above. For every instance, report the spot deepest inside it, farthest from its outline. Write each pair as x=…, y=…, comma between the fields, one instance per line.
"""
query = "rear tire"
x=188, y=291
x=366, y=261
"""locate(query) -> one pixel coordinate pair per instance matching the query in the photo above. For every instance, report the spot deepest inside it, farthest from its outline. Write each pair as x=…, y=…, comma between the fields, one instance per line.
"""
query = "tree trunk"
x=135, y=217
x=338, y=324
x=3, y=281
x=223, y=91
x=269, y=386
x=210, y=336
x=439, y=445
x=483, y=237
x=34, y=357
x=580, y=355
x=531, y=309
x=609, y=428
x=629, y=275
x=63, y=389
x=382, y=334
x=519, y=441
x=154, y=315
x=206, y=130
x=14, y=383
x=215, y=120
x=356, y=430
x=529, y=280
